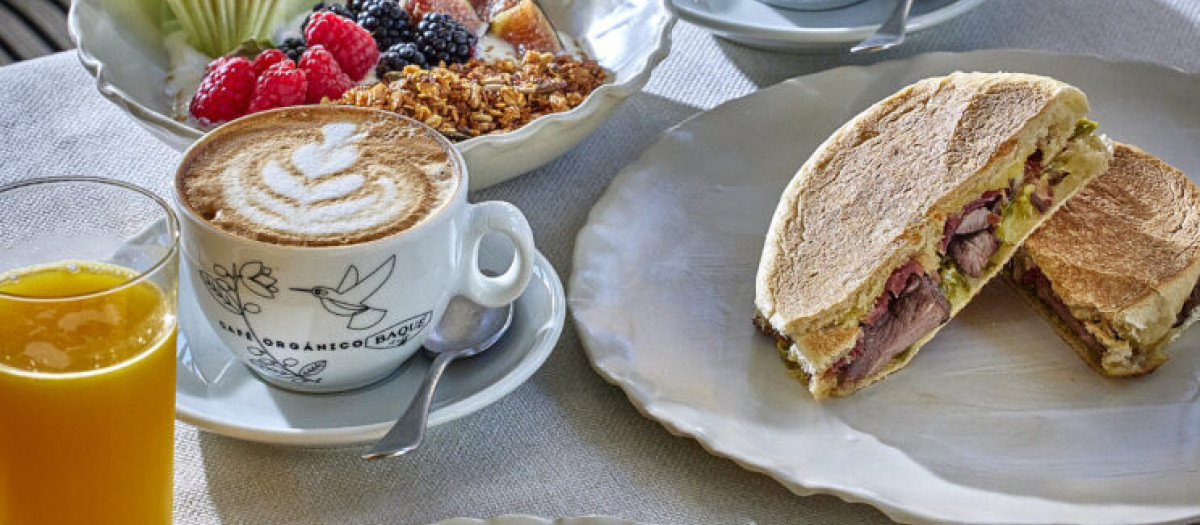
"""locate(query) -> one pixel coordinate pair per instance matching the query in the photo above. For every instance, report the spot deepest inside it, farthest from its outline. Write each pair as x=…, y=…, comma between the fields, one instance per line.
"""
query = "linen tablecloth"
x=565, y=443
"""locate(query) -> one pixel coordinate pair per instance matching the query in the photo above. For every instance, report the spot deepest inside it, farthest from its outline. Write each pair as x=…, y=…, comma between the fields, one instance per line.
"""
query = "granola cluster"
x=483, y=96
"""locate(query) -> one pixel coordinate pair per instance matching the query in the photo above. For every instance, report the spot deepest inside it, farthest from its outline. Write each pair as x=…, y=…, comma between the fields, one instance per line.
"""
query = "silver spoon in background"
x=890, y=33
x=465, y=330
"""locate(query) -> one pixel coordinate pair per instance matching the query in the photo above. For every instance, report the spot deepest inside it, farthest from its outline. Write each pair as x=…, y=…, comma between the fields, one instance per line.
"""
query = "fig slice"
x=488, y=9
x=526, y=27
x=481, y=8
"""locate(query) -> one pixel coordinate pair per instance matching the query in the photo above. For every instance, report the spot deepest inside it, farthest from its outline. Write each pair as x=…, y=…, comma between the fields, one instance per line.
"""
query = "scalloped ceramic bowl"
x=121, y=45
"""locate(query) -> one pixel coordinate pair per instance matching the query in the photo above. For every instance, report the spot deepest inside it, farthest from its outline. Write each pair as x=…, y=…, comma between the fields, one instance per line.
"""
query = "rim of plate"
x=532, y=361
x=689, y=12
x=644, y=402
x=592, y=104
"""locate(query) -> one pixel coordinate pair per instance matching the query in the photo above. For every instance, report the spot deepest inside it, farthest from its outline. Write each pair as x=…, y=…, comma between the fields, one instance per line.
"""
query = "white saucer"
x=217, y=393
x=759, y=25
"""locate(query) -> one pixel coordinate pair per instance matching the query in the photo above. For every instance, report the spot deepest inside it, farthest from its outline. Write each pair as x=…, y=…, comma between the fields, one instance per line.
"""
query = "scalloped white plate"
x=996, y=421
x=217, y=393
x=756, y=24
x=122, y=47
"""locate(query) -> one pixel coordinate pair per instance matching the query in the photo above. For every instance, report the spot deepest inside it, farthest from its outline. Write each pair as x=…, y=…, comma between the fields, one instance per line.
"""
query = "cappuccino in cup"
x=319, y=178
x=324, y=242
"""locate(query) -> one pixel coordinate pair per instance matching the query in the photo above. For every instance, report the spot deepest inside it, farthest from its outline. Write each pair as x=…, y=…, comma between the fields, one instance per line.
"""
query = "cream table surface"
x=566, y=443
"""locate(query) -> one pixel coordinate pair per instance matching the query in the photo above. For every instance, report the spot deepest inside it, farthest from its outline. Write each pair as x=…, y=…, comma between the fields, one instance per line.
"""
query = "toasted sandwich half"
x=1115, y=271
x=901, y=216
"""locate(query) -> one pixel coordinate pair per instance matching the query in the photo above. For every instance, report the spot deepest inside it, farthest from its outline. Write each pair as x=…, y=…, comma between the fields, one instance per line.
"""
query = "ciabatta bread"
x=878, y=193
x=1122, y=258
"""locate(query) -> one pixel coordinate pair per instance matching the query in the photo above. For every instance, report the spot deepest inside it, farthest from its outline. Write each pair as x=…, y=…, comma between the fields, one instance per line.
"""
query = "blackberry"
x=293, y=48
x=441, y=39
x=386, y=20
x=398, y=56
x=337, y=9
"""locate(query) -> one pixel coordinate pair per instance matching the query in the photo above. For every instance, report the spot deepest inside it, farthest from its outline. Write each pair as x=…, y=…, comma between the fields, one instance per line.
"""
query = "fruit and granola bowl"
x=514, y=83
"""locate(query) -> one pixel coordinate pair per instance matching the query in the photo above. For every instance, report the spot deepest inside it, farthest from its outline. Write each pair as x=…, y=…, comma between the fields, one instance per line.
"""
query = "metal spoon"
x=465, y=330
x=890, y=33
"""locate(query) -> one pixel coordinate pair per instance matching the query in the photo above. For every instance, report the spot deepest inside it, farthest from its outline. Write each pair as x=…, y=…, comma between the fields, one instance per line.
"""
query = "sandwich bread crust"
x=1124, y=256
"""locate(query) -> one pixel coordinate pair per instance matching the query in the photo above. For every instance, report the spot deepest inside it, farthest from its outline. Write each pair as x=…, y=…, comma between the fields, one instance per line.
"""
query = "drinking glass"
x=88, y=284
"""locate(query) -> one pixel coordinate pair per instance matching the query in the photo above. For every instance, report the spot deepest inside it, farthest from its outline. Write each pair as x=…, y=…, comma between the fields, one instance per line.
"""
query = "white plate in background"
x=764, y=26
x=996, y=421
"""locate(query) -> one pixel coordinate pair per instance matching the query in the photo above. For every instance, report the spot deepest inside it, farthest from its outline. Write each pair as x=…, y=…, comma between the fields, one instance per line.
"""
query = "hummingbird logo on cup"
x=350, y=296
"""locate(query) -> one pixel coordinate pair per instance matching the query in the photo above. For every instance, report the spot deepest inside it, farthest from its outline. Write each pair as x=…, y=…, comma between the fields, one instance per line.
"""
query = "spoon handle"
x=890, y=33
x=408, y=432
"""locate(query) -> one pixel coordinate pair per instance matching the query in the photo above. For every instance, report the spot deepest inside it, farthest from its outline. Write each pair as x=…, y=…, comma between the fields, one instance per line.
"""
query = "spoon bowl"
x=466, y=329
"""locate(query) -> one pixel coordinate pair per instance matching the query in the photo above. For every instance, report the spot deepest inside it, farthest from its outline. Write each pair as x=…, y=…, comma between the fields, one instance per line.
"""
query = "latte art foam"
x=319, y=182
x=318, y=192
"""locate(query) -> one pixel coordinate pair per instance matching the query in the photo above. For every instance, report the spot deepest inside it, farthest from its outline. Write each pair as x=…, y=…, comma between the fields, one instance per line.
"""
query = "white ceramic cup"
x=334, y=318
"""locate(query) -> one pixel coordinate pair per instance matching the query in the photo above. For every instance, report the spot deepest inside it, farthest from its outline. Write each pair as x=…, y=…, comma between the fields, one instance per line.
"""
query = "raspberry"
x=225, y=93
x=280, y=85
x=340, y=10
x=351, y=45
x=217, y=62
x=267, y=59
x=325, y=77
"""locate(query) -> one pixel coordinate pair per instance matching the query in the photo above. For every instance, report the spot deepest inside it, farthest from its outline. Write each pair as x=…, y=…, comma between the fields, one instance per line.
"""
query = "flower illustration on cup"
x=225, y=285
x=258, y=280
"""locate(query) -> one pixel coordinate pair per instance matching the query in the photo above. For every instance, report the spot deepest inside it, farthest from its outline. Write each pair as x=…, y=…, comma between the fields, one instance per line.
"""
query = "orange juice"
x=87, y=396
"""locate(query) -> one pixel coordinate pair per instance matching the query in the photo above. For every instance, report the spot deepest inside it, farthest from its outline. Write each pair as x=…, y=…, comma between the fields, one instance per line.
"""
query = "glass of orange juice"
x=88, y=283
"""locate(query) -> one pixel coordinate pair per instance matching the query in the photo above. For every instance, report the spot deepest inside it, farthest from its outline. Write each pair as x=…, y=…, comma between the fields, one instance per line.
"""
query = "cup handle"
x=504, y=218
